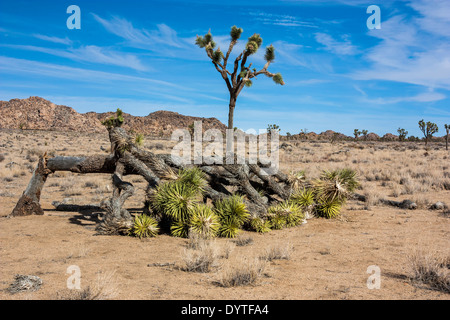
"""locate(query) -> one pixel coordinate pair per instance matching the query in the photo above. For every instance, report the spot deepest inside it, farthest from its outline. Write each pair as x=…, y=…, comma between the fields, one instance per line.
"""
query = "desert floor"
x=329, y=259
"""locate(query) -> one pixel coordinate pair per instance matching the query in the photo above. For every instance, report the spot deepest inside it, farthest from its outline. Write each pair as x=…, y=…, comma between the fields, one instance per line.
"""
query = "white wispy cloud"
x=92, y=54
x=65, y=40
x=429, y=96
x=280, y=20
x=343, y=47
x=413, y=50
x=141, y=38
x=29, y=67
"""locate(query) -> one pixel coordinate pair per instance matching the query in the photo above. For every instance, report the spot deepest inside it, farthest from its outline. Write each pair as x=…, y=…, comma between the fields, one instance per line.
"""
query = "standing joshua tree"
x=447, y=129
x=402, y=133
x=241, y=74
x=356, y=133
x=365, y=133
x=428, y=129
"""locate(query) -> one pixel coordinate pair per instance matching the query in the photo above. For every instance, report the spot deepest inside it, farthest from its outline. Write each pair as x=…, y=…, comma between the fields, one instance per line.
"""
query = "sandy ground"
x=329, y=260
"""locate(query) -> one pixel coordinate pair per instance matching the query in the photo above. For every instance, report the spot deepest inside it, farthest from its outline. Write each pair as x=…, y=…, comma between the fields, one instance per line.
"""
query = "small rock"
x=438, y=206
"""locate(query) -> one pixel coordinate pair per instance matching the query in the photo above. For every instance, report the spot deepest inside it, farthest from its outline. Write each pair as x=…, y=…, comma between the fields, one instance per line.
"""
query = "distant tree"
x=241, y=75
x=334, y=137
x=273, y=127
x=402, y=133
x=428, y=129
x=447, y=129
x=303, y=133
x=288, y=135
x=356, y=133
x=364, y=133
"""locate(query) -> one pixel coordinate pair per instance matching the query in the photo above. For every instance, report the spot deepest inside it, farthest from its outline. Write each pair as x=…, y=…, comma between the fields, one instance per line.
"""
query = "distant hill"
x=36, y=113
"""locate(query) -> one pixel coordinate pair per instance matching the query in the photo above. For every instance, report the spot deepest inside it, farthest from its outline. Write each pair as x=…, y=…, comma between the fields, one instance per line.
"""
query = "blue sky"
x=140, y=56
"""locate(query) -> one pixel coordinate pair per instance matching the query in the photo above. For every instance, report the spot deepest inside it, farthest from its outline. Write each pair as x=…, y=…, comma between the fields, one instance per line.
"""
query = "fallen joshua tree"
x=242, y=192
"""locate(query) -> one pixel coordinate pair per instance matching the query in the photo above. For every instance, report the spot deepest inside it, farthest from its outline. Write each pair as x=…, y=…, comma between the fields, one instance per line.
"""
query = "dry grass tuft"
x=203, y=258
x=277, y=252
x=431, y=269
x=244, y=273
x=105, y=288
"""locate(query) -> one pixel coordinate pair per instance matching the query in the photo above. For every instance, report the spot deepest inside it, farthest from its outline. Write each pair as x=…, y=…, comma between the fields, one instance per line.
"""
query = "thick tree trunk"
x=446, y=142
x=231, y=111
x=28, y=203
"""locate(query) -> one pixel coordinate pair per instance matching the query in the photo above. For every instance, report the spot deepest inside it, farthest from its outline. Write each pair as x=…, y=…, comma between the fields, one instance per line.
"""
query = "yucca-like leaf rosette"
x=144, y=226
x=285, y=214
x=260, y=225
x=232, y=214
x=180, y=228
x=303, y=198
x=204, y=222
x=329, y=209
x=175, y=200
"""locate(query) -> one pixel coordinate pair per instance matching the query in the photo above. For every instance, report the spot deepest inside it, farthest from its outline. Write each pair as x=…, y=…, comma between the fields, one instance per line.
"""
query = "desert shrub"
x=232, y=214
x=201, y=259
x=260, y=225
x=204, y=222
x=2, y=158
x=175, y=199
x=297, y=179
x=285, y=214
x=247, y=272
x=304, y=198
x=324, y=196
x=144, y=226
x=277, y=252
x=431, y=269
x=243, y=241
x=332, y=190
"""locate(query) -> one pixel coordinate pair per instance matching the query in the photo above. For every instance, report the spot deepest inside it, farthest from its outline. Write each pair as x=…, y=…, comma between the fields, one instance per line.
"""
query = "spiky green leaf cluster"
x=194, y=178
x=217, y=56
x=270, y=54
x=257, y=39
x=260, y=225
x=235, y=33
x=278, y=79
x=175, y=200
x=337, y=184
x=139, y=140
x=232, y=214
x=304, y=198
x=114, y=121
x=329, y=209
x=243, y=72
x=204, y=222
x=285, y=214
x=144, y=226
x=251, y=47
x=206, y=41
x=296, y=179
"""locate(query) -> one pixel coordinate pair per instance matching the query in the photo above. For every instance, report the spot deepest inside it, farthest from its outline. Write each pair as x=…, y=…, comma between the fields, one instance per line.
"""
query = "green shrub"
x=260, y=225
x=232, y=214
x=144, y=226
x=285, y=214
x=204, y=222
